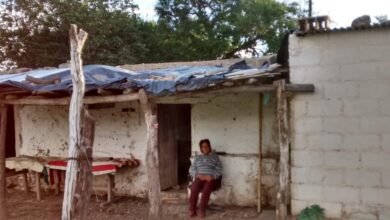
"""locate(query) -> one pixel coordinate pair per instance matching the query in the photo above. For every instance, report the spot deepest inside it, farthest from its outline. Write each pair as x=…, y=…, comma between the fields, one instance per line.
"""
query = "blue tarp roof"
x=156, y=82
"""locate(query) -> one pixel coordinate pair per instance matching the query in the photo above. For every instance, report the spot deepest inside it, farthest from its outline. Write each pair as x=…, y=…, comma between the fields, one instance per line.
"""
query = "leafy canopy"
x=34, y=33
x=207, y=29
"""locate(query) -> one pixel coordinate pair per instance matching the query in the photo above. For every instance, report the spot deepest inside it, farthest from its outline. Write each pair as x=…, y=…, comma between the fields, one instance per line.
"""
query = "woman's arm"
x=193, y=171
x=218, y=167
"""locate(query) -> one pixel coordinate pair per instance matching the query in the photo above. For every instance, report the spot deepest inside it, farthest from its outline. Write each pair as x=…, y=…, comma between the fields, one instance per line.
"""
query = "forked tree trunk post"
x=3, y=129
x=77, y=40
x=152, y=162
x=284, y=143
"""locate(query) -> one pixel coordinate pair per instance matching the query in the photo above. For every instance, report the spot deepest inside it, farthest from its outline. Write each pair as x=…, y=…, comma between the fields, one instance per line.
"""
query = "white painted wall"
x=230, y=121
x=118, y=134
x=341, y=133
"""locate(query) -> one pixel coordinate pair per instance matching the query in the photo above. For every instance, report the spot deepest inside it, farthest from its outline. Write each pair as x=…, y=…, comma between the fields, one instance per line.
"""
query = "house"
x=231, y=102
x=340, y=145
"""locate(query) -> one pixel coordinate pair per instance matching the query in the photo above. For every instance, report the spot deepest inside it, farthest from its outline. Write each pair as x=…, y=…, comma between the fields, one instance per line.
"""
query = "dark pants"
x=206, y=187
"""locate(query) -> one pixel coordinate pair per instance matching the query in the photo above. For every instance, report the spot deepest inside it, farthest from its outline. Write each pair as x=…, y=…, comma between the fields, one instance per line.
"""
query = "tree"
x=35, y=33
x=208, y=29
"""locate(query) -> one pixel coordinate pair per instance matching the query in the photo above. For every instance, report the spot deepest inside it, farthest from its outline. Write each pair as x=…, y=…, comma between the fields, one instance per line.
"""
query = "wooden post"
x=56, y=181
x=152, y=163
x=38, y=185
x=85, y=182
x=260, y=151
x=25, y=182
x=284, y=143
x=110, y=187
x=3, y=129
x=77, y=40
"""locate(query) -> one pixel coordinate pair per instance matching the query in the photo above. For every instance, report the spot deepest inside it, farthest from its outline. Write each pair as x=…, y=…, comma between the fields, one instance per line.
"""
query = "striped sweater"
x=206, y=165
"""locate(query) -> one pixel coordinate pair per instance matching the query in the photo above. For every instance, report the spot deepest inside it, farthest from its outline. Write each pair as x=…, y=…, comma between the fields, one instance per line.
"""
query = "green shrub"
x=314, y=212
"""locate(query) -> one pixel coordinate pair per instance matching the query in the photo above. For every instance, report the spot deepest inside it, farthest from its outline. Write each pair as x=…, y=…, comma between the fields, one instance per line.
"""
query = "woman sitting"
x=205, y=171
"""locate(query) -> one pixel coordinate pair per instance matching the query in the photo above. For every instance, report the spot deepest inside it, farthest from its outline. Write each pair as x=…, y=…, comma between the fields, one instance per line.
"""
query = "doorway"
x=10, y=150
x=174, y=143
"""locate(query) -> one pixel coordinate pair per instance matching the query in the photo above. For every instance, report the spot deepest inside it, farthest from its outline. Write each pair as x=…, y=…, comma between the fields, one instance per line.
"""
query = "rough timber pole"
x=284, y=142
x=3, y=127
x=77, y=40
x=84, y=185
x=152, y=163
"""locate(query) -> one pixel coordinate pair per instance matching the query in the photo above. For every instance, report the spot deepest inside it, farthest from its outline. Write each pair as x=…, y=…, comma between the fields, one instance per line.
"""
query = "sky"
x=341, y=12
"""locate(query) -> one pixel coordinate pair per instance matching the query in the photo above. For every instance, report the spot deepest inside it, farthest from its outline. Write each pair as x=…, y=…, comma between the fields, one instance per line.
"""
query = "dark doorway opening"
x=174, y=141
x=10, y=150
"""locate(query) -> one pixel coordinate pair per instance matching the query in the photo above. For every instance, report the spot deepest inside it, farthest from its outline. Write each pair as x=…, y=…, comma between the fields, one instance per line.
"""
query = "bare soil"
x=24, y=206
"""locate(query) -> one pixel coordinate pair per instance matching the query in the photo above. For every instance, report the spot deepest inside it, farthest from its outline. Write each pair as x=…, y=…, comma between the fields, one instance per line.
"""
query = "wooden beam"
x=3, y=129
x=66, y=100
x=284, y=144
x=77, y=40
x=152, y=162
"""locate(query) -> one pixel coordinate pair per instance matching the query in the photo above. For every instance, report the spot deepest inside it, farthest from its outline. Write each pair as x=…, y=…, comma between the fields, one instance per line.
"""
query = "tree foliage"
x=34, y=33
x=207, y=29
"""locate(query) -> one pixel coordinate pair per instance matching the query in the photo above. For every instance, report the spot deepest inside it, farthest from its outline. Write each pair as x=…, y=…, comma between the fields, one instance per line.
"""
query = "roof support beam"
x=66, y=100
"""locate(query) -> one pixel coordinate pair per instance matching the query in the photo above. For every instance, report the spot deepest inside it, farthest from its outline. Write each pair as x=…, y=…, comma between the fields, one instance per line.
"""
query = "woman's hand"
x=206, y=178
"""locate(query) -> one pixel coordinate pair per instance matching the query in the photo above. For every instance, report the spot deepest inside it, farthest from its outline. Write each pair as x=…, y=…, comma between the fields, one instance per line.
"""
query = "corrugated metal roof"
x=156, y=81
x=342, y=29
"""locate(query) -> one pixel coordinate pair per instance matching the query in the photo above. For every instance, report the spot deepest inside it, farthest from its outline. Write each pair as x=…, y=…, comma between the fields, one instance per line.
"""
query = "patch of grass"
x=314, y=212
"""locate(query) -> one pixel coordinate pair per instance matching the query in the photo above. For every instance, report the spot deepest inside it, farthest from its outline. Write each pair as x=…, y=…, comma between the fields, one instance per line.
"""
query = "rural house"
x=231, y=102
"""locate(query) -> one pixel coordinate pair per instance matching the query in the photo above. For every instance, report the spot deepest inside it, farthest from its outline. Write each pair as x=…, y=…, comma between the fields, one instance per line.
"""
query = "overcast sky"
x=341, y=12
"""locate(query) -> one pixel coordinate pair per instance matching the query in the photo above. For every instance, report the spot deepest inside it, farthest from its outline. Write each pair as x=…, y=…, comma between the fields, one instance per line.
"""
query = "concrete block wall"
x=341, y=134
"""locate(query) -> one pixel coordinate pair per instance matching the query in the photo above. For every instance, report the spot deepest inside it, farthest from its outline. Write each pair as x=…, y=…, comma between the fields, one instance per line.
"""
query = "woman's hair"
x=207, y=141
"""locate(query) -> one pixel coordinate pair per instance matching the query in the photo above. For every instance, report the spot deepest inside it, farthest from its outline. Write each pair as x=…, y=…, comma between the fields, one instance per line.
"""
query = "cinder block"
x=298, y=142
x=385, y=142
x=384, y=215
x=379, y=161
x=324, y=108
x=337, y=56
x=307, y=158
x=306, y=192
x=357, y=72
x=361, y=107
x=384, y=106
x=374, y=89
x=324, y=141
x=341, y=194
x=321, y=74
x=375, y=125
x=341, y=124
x=386, y=179
x=362, y=216
x=326, y=176
x=341, y=90
x=341, y=159
x=358, y=142
x=308, y=125
x=297, y=206
x=298, y=108
x=362, y=178
x=374, y=53
x=306, y=57
x=300, y=175
x=377, y=196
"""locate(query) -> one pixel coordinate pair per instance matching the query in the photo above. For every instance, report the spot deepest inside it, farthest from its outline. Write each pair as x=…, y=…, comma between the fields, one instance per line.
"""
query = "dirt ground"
x=24, y=206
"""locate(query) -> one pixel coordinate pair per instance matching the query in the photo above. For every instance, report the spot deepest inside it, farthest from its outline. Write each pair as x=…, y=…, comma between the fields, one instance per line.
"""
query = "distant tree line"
x=34, y=33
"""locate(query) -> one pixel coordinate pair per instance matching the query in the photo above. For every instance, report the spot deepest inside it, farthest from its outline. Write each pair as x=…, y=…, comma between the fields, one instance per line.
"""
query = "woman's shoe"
x=201, y=214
